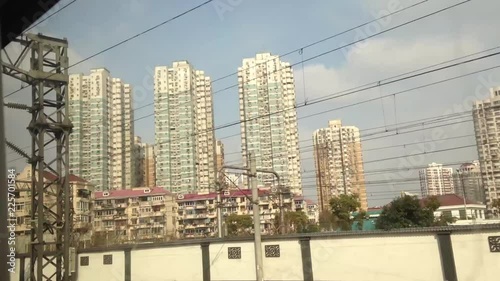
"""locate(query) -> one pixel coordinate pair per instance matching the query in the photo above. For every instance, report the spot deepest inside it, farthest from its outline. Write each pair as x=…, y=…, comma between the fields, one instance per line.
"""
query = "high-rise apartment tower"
x=339, y=163
x=436, y=180
x=269, y=120
x=184, y=136
x=102, y=139
x=486, y=115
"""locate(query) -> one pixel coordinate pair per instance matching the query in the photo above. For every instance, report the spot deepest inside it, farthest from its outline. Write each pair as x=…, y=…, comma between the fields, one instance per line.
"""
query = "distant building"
x=266, y=85
x=138, y=154
x=82, y=197
x=184, y=129
x=101, y=144
x=198, y=213
x=468, y=182
x=454, y=206
x=138, y=214
x=235, y=181
x=219, y=152
x=308, y=207
x=436, y=180
x=487, y=128
x=146, y=164
x=339, y=163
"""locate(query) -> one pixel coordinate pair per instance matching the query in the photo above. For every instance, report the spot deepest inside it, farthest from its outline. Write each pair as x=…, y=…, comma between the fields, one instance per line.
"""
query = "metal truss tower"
x=51, y=200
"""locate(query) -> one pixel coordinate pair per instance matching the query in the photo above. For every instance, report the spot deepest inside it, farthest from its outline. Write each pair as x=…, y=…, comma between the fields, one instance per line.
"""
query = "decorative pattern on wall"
x=272, y=251
x=84, y=261
x=494, y=242
x=234, y=253
x=107, y=259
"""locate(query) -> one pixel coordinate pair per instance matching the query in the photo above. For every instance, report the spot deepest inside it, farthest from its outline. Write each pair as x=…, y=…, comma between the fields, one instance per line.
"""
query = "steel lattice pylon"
x=49, y=125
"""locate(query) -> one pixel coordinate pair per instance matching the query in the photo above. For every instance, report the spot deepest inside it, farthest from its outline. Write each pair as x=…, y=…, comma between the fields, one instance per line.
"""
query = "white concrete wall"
x=473, y=259
x=388, y=258
x=99, y=271
x=376, y=258
x=223, y=268
x=287, y=267
x=183, y=263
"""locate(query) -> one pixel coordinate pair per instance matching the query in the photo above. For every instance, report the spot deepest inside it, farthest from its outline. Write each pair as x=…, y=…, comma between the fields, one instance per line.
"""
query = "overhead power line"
x=48, y=17
x=330, y=37
x=394, y=146
x=392, y=170
x=398, y=131
x=364, y=89
x=123, y=41
x=355, y=42
x=330, y=51
x=385, y=136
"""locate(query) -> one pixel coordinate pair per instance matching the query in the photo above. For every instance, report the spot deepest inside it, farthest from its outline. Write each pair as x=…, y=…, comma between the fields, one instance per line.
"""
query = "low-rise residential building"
x=197, y=216
x=464, y=211
x=138, y=214
x=307, y=206
x=468, y=182
x=82, y=197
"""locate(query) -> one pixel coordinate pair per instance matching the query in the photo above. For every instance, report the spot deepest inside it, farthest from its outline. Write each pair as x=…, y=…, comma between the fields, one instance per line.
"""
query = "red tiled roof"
x=310, y=202
x=127, y=193
x=213, y=195
x=450, y=200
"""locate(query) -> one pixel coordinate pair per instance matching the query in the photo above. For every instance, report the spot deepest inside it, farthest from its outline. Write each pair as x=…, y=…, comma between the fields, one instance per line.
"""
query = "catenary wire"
x=327, y=52
x=48, y=17
x=125, y=41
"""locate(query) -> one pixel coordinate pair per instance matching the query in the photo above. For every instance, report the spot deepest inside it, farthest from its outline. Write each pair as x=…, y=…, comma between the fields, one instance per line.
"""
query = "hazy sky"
x=216, y=37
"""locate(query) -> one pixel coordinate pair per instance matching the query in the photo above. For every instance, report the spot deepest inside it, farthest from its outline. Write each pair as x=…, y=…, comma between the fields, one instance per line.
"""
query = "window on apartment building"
x=462, y=214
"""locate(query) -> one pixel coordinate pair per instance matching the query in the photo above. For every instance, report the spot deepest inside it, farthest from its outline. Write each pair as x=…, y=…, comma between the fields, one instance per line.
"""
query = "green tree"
x=342, y=208
x=408, y=211
x=496, y=203
x=327, y=221
x=239, y=225
x=296, y=222
x=360, y=218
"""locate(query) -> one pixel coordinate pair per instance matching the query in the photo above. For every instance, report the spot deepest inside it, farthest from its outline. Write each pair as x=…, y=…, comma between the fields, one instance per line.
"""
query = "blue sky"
x=217, y=42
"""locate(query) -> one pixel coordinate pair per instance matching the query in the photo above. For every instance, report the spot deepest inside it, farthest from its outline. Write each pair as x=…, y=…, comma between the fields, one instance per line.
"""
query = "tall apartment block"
x=468, y=182
x=269, y=130
x=138, y=155
x=436, y=180
x=101, y=143
x=219, y=152
x=339, y=163
x=486, y=115
x=184, y=136
x=146, y=169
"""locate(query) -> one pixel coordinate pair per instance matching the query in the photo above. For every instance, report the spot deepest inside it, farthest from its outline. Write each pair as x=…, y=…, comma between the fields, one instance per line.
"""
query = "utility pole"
x=256, y=219
x=252, y=178
x=463, y=191
x=219, y=212
x=282, y=213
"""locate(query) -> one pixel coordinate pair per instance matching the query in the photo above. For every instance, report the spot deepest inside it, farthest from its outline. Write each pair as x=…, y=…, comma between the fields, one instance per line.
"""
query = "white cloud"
x=379, y=59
